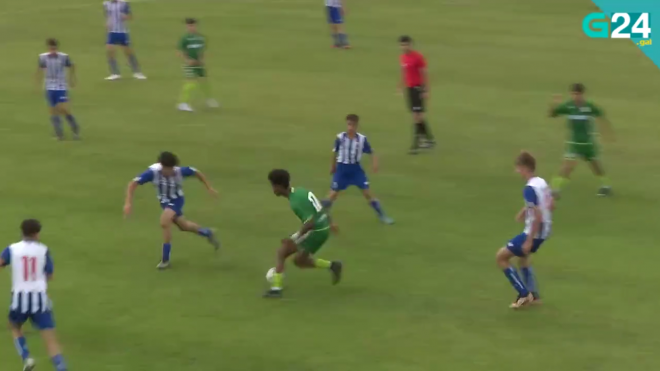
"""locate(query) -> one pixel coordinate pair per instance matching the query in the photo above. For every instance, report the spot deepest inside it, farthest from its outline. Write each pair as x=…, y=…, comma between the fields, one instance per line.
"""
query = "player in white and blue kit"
x=51, y=68
x=167, y=176
x=32, y=268
x=346, y=169
x=336, y=10
x=117, y=15
x=537, y=215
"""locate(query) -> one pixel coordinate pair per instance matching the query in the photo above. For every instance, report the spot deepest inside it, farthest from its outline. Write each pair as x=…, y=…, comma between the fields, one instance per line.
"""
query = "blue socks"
x=530, y=280
x=512, y=274
x=375, y=204
x=114, y=69
x=58, y=362
x=57, y=126
x=73, y=124
x=167, y=248
x=132, y=59
x=204, y=232
x=21, y=347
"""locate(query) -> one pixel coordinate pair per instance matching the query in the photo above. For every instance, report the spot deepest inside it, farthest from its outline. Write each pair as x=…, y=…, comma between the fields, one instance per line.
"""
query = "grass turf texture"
x=421, y=295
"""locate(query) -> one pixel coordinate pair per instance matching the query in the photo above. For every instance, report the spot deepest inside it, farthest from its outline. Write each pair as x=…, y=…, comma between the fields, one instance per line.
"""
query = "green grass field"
x=424, y=294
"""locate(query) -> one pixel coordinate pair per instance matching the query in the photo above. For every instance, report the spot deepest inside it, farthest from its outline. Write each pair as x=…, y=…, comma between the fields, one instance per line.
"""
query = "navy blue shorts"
x=118, y=38
x=515, y=244
x=334, y=15
x=351, y=177
x=55, y=97
x=176, y=205
x=40, y=320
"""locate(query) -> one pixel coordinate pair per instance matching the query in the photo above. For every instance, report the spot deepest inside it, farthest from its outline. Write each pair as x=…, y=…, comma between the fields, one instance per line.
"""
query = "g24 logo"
x=592, y=25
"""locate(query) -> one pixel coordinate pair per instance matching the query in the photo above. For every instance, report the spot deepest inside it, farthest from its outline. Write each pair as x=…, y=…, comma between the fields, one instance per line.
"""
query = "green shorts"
x=585, y=151
x=192, y=72
x=312, y=241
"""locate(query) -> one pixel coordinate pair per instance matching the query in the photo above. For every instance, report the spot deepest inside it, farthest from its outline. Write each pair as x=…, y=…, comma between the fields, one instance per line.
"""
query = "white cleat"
x=29, y=364
x=163, y=265
x=113, y=77
x=185, y=107
x=139, y=76
x=212, y=103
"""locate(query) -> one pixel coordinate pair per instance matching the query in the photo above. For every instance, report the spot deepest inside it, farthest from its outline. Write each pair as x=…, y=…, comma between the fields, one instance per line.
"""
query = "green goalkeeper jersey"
x=306, y=206
x=580, y=120
x=193, y=45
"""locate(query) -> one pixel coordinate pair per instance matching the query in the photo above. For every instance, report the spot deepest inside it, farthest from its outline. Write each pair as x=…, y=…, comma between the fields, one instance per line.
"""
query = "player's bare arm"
x=536, y=226
x=39, y=76
x=605, y=128
x=556, y=101
x=375, y=164
x=425, y=83
x=520, y=217
x=333, y=163
x=202, y=178
x=3, y=263
x=128, y=202
x=72, y=75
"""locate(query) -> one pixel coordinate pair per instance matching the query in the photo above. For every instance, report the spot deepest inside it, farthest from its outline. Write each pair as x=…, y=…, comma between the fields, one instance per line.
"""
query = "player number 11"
x=641, y=26
x=29, y=268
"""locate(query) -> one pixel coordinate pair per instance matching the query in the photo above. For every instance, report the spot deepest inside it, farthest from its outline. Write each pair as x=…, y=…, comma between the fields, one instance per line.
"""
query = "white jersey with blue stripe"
x=537, y=194
x=333, y=3
x=31, y=265
x=115, y=10
x=54, y=66
x=168, y=187
x=349, y=150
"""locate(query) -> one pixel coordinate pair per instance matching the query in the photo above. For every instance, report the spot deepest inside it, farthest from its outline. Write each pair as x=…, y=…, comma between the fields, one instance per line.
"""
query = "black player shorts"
x=415, y=100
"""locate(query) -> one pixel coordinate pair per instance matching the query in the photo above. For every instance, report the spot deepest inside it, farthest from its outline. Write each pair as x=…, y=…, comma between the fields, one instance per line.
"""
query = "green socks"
x=187, y=90
x=558, y=183
x=320, y=263
x=278, y=280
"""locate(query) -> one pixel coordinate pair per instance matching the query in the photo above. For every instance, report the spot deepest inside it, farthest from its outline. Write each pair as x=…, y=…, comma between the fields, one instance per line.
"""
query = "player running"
x=32, y=268
x=347, y=153
x=192, y=49
x=582, y=140
x=313, y=234
x=117, y=15
x=52, y=71
x=537, y=214
x=167, y=176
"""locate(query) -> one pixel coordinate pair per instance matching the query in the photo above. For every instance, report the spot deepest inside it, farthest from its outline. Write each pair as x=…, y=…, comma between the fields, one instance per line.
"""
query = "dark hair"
x=168, y=159
x=191, y=21
x=578, y=88
x=353, y=118
x=279, y=177
x=405, y=39
x=51, y=42
x=30, y=227
x=527, y=160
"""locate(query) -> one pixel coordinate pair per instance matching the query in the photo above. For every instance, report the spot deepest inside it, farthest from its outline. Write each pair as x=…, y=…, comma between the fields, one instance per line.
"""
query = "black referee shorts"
x=415, y=100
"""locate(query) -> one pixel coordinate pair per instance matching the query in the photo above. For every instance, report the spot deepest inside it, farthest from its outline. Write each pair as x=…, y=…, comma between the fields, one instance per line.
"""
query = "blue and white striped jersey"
x=114, y=12
x=55, y=65
x=538, y=194
x=168, y=188
x=350, y=150
x=333, y=3
x=31, y=265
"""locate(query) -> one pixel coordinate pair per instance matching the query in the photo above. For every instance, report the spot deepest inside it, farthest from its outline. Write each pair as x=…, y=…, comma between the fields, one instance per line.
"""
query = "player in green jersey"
x=581, y=143
x=314, y=232
x=192, y=49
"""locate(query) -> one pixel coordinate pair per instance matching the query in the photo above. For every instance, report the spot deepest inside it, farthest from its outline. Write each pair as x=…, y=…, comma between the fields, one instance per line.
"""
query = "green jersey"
x=193, y=46
x=306, y=206
x=580, y=120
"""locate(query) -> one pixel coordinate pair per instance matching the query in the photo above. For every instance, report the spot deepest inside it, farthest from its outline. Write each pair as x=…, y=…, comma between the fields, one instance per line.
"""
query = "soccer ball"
x=270, y=274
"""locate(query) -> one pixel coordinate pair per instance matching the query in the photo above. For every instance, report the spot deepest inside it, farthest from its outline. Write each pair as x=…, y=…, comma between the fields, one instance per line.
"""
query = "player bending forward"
x=167, y=176
x=313, y=234
x=537, y=214
x=31, y=268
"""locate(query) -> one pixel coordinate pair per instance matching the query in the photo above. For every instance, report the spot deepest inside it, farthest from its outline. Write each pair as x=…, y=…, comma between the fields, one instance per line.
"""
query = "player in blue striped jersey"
x=537, y=215
x=32, y=268
x=117, y=14
x=336, y=12
x=346, y=169
x=167, y=176
x=51, y=69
